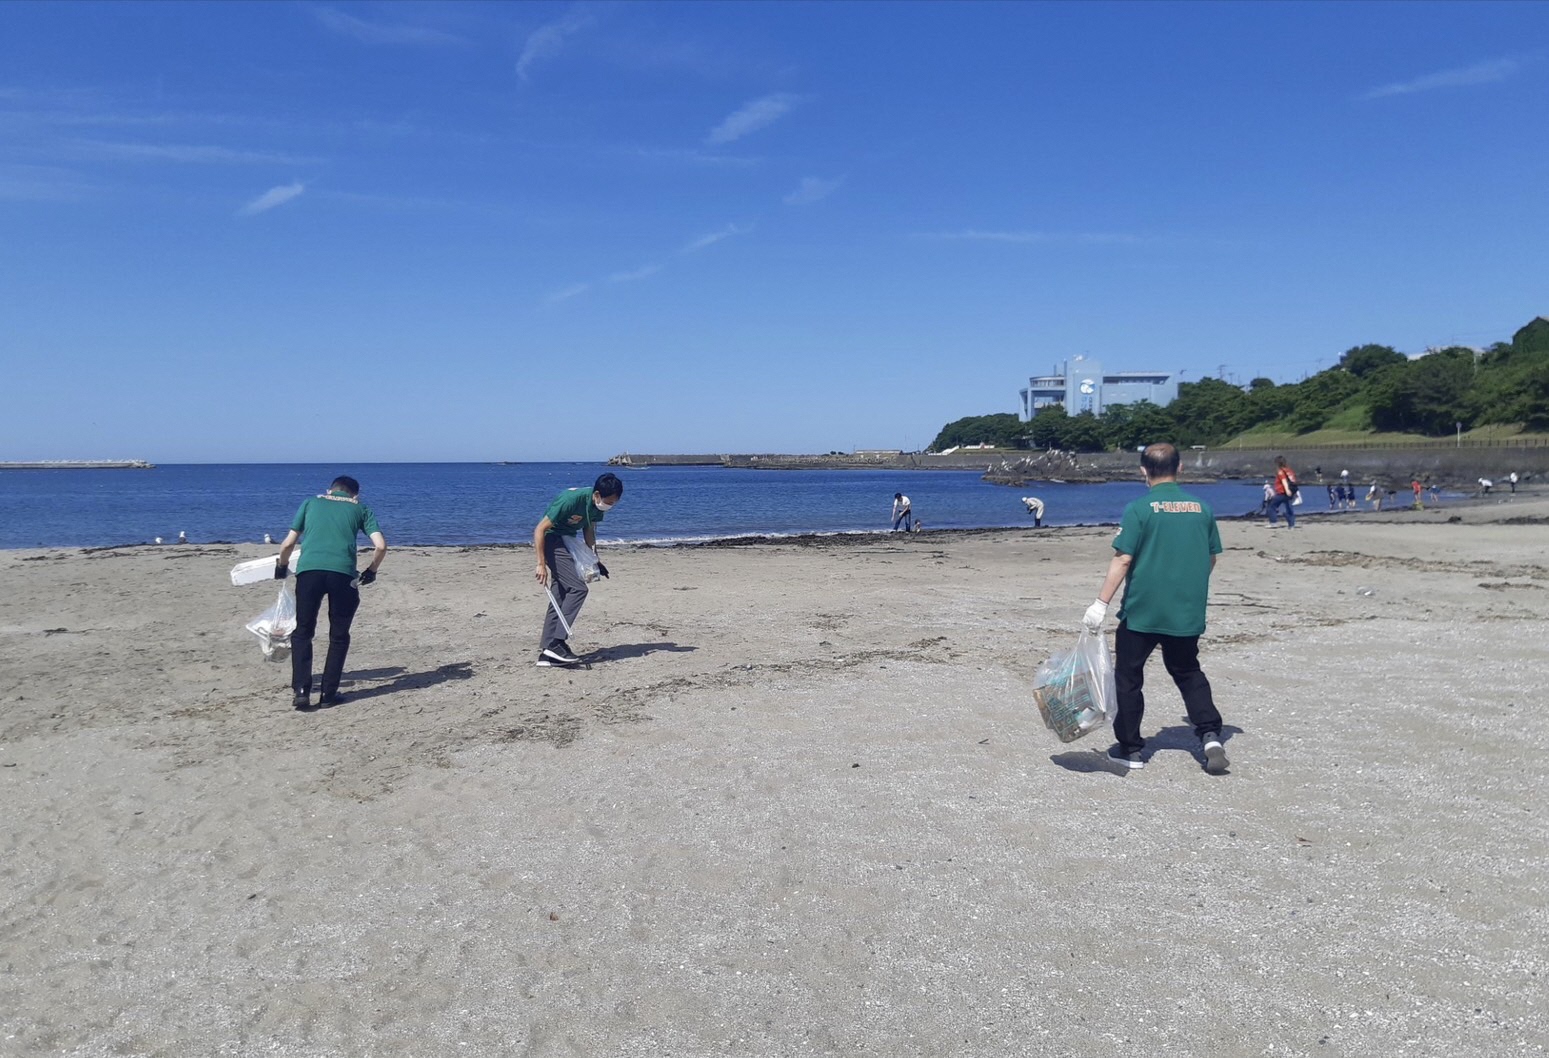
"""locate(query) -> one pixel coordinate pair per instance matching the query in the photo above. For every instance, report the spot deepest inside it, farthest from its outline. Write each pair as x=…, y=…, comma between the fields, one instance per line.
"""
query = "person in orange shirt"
x=1286, y=489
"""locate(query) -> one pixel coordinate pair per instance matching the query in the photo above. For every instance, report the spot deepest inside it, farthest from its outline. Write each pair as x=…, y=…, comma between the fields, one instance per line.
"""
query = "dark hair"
x=1160, y=460
x=898, y=495
x=1280, y=461
x=347, y=483
x=608, y=486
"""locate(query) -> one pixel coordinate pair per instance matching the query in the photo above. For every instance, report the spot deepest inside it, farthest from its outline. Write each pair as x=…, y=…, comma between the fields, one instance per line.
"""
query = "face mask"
x=604, y=507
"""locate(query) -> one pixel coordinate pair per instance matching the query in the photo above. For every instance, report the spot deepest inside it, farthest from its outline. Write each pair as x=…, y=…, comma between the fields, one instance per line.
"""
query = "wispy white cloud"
x=1092, y=238
x=635, y=274
x=548, y=40
x=640, y=51
x=180, y=153
x=711, y=238
x=750, y=117
x=1459, y=77
x=40, y=183
x=812, y=189
x=646, y=271
x=413, y=202
x=692, y=156
x=380, y=32
x=275, y=196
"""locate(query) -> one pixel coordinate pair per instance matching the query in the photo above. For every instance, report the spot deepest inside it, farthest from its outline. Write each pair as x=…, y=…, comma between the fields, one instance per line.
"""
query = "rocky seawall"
x=1448, y=466
x=1457, y=467
x=983, y=461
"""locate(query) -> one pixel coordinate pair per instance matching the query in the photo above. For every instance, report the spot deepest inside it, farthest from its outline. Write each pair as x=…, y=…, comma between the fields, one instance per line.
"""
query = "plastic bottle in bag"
x=274, y=626
x=1075, y=691
x=585, y=558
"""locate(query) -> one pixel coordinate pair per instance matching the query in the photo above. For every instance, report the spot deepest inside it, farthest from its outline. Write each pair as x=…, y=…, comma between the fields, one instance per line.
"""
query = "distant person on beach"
x=327, y=527
x=1035, y=508
x=1511, y=479
x=1414, y=484
x=1286, y=489
x=901, y=512
x=572, y=511
x=1269, y=495
x=1332, y=498
x=1163, y=554
x=1434, y=490
x=1374, y=496
x=1485, y=485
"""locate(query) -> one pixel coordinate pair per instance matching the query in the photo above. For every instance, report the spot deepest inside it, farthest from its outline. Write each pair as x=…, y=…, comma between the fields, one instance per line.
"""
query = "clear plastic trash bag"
x=1075, y=691
x=584, y=557
x=274, y=626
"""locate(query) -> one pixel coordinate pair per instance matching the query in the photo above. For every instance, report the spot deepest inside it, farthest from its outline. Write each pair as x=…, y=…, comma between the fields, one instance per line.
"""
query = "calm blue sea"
x=483, y=503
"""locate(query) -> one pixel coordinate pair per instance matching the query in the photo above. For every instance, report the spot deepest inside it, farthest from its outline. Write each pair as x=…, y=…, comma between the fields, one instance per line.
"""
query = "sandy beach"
x=798, y=802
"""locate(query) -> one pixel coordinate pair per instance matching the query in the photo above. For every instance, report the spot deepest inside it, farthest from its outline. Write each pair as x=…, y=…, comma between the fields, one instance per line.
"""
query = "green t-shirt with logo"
x=572, y=511
x=1170, y=536
x=328, y=526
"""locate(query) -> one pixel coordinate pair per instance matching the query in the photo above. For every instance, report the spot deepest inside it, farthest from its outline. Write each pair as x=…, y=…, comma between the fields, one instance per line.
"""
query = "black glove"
x=367, y=576
x=281, y=572
x=602, y=569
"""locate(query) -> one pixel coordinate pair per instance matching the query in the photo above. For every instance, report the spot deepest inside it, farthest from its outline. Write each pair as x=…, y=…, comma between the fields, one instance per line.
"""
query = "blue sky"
x=415, y=231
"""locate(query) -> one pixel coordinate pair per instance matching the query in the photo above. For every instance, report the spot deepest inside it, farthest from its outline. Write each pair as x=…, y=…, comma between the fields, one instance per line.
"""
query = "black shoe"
x=559, y=653
x=302, y=700
x=1132, y=761
x=332, y=699
x=1215, y=754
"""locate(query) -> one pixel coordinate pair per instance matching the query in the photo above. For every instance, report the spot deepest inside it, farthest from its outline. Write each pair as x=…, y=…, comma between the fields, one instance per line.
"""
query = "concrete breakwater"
x=1389, y=466
x=79, y=464
x=983, y=461
x=1448, y=467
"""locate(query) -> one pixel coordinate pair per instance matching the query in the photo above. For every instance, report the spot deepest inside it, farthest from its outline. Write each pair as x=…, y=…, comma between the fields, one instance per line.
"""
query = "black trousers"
x=312, y=588
x=1180, y=654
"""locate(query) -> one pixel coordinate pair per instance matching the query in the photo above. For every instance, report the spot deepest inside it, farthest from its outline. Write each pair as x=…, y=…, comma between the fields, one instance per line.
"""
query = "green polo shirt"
x=328, y=528
x=1170, y=536
x=572, y=511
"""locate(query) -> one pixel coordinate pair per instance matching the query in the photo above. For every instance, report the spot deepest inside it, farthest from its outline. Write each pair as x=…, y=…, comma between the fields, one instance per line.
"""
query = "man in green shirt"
x=1163, y=554
x=327, y=526
x=573, y=511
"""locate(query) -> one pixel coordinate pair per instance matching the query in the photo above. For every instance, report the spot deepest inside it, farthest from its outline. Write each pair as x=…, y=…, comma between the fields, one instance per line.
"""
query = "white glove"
x=1094, y=616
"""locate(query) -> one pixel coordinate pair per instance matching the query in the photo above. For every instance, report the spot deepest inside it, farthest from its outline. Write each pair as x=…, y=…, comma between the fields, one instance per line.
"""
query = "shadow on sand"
x=1178, y=738
x=633, y=650
x=399, y=680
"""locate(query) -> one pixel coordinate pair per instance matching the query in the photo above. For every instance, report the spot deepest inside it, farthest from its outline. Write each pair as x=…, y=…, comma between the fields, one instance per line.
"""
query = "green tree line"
x=1372, y=387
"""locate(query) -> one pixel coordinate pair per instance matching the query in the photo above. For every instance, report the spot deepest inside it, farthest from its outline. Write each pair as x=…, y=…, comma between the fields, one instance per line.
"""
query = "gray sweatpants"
x=566, y=584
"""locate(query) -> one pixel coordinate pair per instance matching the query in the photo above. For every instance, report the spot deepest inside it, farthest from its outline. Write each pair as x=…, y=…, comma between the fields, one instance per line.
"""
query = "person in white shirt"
x=1035, y=508
x=901, y=512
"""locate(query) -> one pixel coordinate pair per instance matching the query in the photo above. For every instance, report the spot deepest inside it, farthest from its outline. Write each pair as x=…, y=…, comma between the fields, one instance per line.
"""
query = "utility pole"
x=1221, y=372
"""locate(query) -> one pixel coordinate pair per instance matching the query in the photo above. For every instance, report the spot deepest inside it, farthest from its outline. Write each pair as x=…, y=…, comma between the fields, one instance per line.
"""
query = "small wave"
x=716, y=538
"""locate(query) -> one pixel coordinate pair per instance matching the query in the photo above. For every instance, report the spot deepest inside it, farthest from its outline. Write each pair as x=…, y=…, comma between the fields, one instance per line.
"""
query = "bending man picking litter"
x=327, y=527
x=1163, y=554
x=573, y=511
